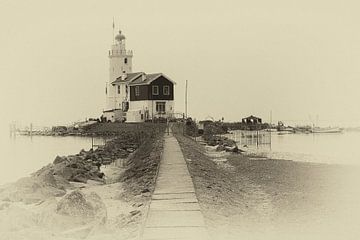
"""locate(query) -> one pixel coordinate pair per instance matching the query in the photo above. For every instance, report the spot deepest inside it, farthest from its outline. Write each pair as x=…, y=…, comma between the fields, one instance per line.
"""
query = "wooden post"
x=167, y=126
x=186, y=85
x=152, y=111
x=240, y=137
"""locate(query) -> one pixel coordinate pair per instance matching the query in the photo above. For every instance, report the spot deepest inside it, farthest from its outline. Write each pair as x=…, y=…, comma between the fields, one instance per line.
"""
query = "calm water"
x=23, y=155
x=334, y=148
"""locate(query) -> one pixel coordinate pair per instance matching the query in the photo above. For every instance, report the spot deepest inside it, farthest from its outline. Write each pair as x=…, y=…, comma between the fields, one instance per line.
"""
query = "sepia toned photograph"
x=176, y=120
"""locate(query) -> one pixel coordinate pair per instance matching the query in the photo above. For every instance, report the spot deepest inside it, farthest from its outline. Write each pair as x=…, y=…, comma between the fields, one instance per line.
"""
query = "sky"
x=297, y=59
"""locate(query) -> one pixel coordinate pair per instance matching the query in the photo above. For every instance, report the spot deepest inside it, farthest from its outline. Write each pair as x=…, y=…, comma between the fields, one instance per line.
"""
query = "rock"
x=130, y=150
x=80, y=178
x=137, y=204
x=83, y=152
x=47, y=177
x=98, y=164
x=146, y=194
x=73, y=165
x=101, y=174
x=220, y=148
x=106, y=160
x=134, y=212
x=79, y=204
x=68, y=172
x=145, y=190
x=59, y=159
x=231, y=149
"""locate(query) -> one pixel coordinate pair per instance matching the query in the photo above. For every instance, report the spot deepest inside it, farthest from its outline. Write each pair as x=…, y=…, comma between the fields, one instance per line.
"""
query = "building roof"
x=251, y=117
x=148, y=79
x=129, y=77
x=140, y=78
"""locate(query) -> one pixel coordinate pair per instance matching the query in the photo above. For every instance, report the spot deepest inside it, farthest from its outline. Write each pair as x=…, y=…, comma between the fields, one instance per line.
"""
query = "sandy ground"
x=257, y=198
x=40, y=220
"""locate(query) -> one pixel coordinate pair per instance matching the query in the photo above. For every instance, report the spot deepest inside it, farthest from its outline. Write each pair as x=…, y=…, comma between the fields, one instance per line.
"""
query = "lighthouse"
x=135, y=96
x=120, y=64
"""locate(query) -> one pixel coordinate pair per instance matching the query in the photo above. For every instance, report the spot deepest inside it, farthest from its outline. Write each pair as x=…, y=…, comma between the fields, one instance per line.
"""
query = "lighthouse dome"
x=119, y=37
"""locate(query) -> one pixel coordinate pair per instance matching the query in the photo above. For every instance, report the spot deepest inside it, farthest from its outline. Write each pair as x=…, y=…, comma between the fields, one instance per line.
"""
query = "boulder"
x=232, y=149
x=220, y=148
x=80, y=178
x=79, y=204
x=59, y=159
x=100, y=174
x=83, y=152
x=47, y=178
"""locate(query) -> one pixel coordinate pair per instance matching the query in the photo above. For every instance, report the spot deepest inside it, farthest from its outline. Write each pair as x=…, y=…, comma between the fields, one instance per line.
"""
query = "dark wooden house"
x=149, y=96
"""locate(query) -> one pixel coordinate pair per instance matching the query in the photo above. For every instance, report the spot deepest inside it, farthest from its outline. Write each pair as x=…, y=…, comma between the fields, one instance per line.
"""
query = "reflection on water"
x=22, y=155
x=334, y=148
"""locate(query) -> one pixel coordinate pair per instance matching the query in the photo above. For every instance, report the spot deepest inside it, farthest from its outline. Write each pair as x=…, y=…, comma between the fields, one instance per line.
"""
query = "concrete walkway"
x=174, y=210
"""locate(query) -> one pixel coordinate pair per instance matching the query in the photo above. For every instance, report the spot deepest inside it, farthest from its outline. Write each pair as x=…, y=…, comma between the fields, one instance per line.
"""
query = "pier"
x=174, y=211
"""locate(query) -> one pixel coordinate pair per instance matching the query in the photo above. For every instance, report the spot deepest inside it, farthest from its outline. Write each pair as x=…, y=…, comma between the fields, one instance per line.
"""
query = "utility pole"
x=186, y=85
x=270, y=126
x=113, y=29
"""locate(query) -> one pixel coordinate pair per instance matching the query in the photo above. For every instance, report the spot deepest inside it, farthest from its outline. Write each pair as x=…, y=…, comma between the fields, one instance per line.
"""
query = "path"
x=174, y=211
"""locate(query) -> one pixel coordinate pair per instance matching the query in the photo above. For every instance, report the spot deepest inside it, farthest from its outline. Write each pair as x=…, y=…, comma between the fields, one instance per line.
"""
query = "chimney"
x=123, y=76
x=143, y=77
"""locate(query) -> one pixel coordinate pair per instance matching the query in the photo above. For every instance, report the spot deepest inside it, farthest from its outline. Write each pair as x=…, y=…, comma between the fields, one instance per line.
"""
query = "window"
x=125, y=60
x=160, y=107
x=118, y=88
x=155, y=90
x=137, y=91
x=106, y=90
x=166, y=90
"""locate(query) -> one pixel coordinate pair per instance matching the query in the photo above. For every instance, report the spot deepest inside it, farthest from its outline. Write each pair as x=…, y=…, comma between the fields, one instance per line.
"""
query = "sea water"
x=22, y=155
x=332, y=148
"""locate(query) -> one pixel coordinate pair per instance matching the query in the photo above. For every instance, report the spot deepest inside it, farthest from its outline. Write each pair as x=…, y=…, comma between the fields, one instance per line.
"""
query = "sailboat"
x=326, y=130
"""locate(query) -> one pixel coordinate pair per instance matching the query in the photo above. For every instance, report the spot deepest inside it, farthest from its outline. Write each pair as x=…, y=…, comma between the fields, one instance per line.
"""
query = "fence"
x=251, y=138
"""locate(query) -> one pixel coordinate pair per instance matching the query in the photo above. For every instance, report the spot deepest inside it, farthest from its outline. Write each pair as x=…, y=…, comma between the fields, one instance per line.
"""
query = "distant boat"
x=271, y=130
x=285, y=131
x=326, y=130
x=282, y=129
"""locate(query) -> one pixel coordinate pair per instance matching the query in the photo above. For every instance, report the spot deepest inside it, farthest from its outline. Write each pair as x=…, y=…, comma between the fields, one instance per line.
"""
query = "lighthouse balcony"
x=115, y=53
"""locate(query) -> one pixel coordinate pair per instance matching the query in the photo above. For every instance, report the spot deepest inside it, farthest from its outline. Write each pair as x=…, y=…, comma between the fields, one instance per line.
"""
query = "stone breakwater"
x=86, y=164
x=53, y=179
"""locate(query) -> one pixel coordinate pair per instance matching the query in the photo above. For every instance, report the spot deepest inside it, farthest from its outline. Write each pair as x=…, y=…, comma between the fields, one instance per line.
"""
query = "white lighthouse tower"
x=120, y=64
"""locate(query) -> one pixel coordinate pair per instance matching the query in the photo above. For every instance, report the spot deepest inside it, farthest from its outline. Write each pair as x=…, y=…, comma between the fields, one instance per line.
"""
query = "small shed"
x=252, y=120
